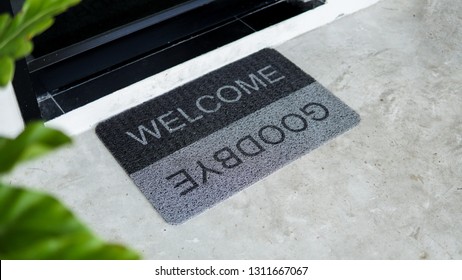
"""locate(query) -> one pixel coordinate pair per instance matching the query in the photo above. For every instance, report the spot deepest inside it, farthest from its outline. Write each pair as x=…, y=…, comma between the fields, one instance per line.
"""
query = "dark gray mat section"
x=194, y=175
x=159, y=127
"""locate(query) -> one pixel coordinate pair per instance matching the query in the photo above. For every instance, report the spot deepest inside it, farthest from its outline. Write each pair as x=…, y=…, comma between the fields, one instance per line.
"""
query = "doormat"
x=202, y=142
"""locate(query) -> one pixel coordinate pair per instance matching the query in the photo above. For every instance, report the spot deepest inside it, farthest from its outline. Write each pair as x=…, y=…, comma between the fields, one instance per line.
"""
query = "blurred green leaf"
x=5, y=20
x=34, y=141
x=37, y=226
x=16, y=33
x=7, y=70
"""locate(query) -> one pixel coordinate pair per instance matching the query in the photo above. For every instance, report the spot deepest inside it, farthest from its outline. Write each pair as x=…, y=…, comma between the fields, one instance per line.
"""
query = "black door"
x=100, y=46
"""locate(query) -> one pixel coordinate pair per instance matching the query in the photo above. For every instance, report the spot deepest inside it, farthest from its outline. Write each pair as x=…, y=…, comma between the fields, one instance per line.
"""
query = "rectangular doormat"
x=206, y=140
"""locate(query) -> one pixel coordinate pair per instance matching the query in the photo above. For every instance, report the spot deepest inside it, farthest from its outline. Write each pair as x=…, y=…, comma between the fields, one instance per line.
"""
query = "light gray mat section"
x=179, y=186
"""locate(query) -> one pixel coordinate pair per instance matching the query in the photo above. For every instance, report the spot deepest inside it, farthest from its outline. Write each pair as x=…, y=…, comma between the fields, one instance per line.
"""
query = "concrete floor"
x=391, y=188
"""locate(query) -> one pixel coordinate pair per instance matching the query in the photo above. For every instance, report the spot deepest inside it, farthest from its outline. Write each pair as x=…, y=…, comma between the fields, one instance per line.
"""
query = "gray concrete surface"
x=389, y=189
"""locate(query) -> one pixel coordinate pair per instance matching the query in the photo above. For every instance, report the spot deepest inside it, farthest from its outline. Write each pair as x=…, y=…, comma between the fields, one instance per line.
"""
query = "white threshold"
x=87, y=117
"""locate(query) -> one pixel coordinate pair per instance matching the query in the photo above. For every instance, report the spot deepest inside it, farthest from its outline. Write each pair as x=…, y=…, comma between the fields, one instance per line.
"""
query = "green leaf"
x=5, y=20
x=6, y=70
x=16, y=34
x=20, y=47
x=37, y=226
x=34, y=141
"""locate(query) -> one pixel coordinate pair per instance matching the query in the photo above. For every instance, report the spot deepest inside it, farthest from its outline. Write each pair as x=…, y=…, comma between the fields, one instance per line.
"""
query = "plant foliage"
x=34, y=225
x=16, y=33
x=37, y=226
x=34, y=141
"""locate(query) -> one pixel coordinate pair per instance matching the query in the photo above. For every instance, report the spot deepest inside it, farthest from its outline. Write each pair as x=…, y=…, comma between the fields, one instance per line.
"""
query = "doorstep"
x=86, y=117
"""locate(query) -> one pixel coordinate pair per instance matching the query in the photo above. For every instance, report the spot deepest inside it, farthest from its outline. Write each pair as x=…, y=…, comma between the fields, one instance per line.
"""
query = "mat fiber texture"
x=210, y=138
